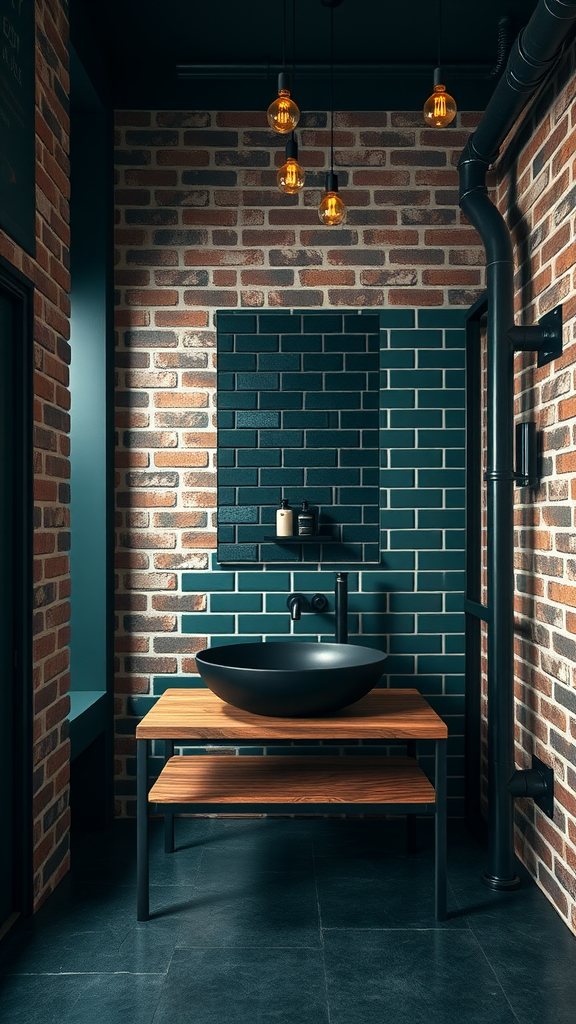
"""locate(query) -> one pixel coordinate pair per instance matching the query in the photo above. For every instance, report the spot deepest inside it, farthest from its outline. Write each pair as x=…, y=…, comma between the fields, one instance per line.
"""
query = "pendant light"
x=440, y=107
x=283, y=114
x=332, y=211
x=291, y=176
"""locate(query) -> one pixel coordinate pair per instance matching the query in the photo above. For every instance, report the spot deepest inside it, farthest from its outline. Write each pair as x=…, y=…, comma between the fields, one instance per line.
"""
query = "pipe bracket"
x=545, y=338
x=537, y=783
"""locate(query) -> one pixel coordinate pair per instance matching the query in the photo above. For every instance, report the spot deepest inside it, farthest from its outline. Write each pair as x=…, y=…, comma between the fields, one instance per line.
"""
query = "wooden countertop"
x=381, y=714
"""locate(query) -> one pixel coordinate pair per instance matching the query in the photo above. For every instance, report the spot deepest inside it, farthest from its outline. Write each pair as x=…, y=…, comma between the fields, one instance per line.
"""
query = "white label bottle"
x=284, y=520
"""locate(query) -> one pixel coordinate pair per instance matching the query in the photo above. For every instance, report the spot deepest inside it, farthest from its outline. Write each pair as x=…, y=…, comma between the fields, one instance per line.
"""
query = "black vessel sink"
x=290, y=679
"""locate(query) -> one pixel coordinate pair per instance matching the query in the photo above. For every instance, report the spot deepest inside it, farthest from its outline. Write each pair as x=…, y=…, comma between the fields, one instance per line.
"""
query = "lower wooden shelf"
x=214, y=779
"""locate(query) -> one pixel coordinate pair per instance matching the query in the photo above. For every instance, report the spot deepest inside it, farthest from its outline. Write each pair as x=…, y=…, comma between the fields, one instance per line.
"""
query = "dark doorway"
x=15, y=611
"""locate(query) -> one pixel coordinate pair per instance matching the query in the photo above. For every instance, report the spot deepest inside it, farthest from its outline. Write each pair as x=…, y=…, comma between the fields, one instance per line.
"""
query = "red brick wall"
x=200, y=226
x=49, y=273
x=537, y=193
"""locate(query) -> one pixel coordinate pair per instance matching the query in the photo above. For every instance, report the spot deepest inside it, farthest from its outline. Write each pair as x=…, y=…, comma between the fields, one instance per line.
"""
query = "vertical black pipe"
x=341, y=609
x=533, y=54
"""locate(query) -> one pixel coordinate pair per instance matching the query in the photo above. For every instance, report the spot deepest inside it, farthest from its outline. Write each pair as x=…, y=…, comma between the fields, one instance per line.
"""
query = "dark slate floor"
x=271, y=921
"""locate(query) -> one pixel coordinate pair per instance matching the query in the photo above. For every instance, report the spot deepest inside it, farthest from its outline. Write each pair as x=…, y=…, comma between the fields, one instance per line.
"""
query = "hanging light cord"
x=284, y=35
x=293, y=41
x=438, y=63
x=332, y=89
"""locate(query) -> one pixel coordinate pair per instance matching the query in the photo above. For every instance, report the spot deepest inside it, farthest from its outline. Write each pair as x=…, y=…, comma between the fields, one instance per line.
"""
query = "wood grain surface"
x=381, y=714
x=291, y=780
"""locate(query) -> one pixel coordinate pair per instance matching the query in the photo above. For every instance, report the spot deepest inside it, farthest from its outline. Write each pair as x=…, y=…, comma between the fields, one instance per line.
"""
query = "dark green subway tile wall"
x=308, y=431
x=409, y=604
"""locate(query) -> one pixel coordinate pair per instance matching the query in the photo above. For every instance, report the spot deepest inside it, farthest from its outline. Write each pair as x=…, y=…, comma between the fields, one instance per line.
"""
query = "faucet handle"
x=319, y=602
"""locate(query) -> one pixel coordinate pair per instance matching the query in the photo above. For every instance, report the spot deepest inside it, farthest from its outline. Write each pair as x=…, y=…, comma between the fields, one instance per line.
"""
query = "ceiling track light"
x=332, y=210
x=283, y=114
x=440, y=108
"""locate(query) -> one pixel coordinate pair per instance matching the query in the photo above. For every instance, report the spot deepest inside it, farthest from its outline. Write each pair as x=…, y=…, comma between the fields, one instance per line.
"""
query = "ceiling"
x=140, y=42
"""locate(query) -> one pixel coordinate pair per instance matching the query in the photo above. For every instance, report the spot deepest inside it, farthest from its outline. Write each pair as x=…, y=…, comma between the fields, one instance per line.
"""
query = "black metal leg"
x=440, y=832
x=411, y=824
x=168, y=816
x=142, y=867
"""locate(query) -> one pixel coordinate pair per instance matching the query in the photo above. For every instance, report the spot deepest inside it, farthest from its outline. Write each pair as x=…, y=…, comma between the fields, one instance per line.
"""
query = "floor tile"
x=411, y=977
x=244, y=986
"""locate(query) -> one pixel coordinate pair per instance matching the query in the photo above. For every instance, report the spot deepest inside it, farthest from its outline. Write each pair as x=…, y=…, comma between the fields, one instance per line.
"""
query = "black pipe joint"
x=527, y=782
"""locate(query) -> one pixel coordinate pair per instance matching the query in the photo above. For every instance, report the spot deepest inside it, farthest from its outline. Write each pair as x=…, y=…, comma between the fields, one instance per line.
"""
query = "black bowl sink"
x=290, y=679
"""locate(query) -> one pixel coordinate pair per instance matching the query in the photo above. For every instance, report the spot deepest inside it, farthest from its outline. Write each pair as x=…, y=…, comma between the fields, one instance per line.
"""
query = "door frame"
x=21, y=291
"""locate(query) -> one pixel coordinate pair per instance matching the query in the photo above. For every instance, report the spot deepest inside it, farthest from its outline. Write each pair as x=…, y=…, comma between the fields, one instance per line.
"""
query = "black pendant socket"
x=438, y=74
x=331, y=182
x=292, y=148
x=284, y=81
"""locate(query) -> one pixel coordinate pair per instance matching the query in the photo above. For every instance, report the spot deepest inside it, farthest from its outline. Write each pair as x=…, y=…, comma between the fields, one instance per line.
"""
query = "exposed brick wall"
x=537, y=193
x=201, y=226
x=49, y=273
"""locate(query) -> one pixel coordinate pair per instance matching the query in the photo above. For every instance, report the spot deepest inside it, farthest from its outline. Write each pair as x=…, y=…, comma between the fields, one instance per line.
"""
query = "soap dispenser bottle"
x=306, y=521
x=284, y=520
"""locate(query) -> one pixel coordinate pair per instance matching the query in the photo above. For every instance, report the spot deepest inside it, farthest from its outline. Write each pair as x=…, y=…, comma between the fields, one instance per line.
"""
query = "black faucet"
x=295, y=603
x=341, y=607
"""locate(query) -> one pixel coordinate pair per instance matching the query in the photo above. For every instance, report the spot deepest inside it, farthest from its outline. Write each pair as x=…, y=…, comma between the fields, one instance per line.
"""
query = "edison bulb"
x=291, y=177
x=332, y=210
x=283, y=114
x=440, y=108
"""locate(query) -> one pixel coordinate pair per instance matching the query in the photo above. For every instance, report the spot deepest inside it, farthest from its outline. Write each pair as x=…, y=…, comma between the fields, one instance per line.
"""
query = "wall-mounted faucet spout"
x=341, y=595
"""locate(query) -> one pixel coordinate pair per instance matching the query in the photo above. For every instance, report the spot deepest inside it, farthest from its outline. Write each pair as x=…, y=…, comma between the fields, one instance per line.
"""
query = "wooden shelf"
x=381, y=714
x=299, y=780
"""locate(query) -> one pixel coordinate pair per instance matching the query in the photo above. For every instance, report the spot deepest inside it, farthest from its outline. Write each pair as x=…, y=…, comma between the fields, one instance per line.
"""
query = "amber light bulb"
x=283, y=114
x=440, y=107
x=291, y=176
x=332, y=211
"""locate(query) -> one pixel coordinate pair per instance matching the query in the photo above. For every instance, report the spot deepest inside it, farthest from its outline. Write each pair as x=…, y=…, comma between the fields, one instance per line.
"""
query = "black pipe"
x=533, y=54
x=341, y=607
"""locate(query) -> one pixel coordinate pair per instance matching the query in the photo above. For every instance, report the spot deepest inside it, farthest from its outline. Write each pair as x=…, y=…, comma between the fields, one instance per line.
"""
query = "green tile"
x=403, y=519
x=416, y=457
x=441, y=317
x=416, y=498
x=442, y=359
x=257, y=381
x=226, y=534
x=444, y=623
x=397, y=438
x=416, y=540
x=310, y=457
x=301, y=343
x=205, y=624
x=415, y=603
x=226, y=419
x=235, y=603
x=344, y=343
x=455, y=499
x=352, y=496
x=455, y=418
x=264, y=624
x=443, y=663
x=282, y=477
x=238, y=514
x=399, y=560
x=206, y=582
x=441, y=478
x=282, y=400
x=372, y=602
x=325, y=323
x=396, y=478
x=397, y=359
x=257, y=457
x=346, y=381
x=441, y=519
x=257, y=419
x=440, y=581
x=364, y=457
x=411, y=418
x=455, y=645
x=278, y=362
x=367, y=419
x=397, y=318
x=377, y=581
x=362, y=361
x=238, y=552
x=455, y=539
x=255, y=343
x=236, y=400
x=455, y=684
x=280, y=323
x=415, y=645
x=454, y=378
x=237, y=438
x=361, y=322
x=411, y=378
x=455, y=457
x=416, y=340
x=264, y=581
x=455, y=339
x=237, y=477
x=325, y=438
x=234, y=362
x=236, y=323
x=226, y=458
x=441, y=399
x=354, y=534
x=441, y=560
x=328, y=400
x=281, y=438
x=259, y=495
x=302, y=382
x=333, y=477
x=400, y=664
x=441, y=438
x=323, y=361
x=372, y=622
x=306, y=420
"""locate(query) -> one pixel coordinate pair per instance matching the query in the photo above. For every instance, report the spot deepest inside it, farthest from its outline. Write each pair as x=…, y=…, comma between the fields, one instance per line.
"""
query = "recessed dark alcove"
x=298, y=408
